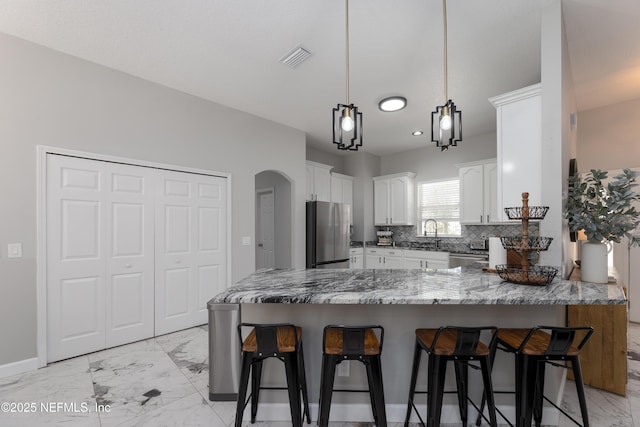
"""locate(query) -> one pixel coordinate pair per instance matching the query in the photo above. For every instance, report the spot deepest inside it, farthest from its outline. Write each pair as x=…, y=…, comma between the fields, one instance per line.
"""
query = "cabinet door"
x=437, y=264
x=471, y=194
x=491, y=192
x=337, y=195
x=356, y=261
x=398, y=201
x=393, y=262
x=381, y=202
x=347, y=195
x=310, y=192
x=322, y=184
x=414, y=263
x=374, y=261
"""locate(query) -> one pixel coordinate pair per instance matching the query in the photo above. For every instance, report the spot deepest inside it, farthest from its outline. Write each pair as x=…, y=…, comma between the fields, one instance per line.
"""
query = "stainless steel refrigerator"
x=328, y=237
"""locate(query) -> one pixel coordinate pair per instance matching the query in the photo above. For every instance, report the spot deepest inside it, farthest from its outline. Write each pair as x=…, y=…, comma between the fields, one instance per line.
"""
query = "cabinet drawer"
x=355, y=251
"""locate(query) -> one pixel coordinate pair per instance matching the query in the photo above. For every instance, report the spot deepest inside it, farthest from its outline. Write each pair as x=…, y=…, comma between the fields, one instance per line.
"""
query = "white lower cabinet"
x=394, y=258
x=425, y=259
x=356, y=258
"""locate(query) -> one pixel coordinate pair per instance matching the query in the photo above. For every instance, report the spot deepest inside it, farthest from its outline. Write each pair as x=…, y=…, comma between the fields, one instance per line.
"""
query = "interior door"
x=129, y=294
x=265, y=256
x=190, y=248
x=76, y=267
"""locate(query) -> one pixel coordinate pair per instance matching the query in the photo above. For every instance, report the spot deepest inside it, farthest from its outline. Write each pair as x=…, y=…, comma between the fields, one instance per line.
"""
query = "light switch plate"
x=14, y=250
x=246, y=241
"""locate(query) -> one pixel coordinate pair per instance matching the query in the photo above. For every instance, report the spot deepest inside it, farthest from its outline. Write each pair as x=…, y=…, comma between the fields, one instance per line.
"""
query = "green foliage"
x=604, y=212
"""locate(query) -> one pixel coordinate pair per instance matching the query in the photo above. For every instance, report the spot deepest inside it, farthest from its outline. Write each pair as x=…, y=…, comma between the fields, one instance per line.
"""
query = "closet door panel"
x=129, y=301
x=75, y=257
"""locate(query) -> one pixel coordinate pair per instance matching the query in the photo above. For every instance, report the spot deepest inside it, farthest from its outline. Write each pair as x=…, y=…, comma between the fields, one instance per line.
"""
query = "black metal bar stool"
x=533, y=349
x=284, y=342
x=352, y=343
x=460, y=345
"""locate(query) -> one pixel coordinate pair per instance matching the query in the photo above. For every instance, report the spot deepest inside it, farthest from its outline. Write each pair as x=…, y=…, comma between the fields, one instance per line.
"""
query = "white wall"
x=363, y=167
x=282, y=215
x=328, y=157
x=558, y=140
x=609, y=137
x=54, y=99
x=429, y=163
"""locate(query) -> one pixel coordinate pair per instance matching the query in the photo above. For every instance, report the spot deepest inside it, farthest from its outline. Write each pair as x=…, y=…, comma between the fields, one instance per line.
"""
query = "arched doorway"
x=273, y=220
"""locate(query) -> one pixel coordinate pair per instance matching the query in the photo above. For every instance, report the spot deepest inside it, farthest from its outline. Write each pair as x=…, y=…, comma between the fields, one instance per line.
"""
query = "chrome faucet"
x=424, y=229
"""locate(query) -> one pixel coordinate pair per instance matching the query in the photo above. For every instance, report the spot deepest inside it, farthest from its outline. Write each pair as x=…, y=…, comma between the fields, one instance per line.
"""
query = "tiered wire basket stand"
x=525, y=273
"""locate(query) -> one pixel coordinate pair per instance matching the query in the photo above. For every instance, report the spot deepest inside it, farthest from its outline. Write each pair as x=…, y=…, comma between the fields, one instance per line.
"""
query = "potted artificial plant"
x=605, y=211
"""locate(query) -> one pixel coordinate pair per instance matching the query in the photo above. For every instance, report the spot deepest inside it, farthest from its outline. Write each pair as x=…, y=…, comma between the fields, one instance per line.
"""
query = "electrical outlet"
x=343, y=369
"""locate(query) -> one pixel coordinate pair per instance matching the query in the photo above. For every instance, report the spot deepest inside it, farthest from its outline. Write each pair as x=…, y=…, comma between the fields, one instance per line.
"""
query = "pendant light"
x=446, y=120
x=347, y=120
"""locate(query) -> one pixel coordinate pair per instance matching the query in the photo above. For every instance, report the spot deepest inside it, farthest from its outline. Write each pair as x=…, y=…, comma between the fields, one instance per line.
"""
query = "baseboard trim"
x=395, y=413
x=19, y=367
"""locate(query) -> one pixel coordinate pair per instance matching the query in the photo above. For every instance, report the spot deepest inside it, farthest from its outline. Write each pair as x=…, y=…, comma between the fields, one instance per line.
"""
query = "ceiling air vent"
x=296, y=57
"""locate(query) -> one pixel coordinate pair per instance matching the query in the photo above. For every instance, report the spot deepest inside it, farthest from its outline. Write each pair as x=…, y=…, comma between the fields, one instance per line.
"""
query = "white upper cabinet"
x=478, y=192
x=519, y=135
x=318, y=182
x=394, y=200
x=342, y=190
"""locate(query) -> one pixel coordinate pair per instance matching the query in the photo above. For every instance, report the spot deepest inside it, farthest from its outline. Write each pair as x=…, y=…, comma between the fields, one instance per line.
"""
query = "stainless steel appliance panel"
x=224, y=351
x=341, y=264
x=325, y=232
x=342, y=241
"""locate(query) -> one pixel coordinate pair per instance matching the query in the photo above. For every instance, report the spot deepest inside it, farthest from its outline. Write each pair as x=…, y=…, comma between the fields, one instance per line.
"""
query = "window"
x=439, y=200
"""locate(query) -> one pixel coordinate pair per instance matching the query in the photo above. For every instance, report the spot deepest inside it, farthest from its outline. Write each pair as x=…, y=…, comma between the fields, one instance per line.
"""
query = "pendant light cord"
x=347, y=50
x=446, y=83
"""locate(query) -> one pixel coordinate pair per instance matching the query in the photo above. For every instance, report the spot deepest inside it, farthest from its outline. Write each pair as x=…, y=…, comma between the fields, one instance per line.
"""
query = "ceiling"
x=229, y=51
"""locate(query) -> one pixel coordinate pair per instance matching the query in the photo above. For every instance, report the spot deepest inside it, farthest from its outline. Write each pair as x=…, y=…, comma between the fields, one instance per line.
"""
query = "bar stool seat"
x=460, y=345
x=340, y=343
x=533, y=349
x=282, y=341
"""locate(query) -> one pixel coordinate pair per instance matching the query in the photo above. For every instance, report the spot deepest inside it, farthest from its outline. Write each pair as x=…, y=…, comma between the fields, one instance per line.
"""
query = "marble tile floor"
x=163, y=382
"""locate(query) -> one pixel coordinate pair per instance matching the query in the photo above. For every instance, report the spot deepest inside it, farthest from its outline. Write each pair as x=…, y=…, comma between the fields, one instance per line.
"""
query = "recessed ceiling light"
x=417, y=133
x=392, y=103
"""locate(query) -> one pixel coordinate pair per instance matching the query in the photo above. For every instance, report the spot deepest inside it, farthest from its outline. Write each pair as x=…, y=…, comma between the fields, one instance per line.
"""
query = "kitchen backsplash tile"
x=405, y=236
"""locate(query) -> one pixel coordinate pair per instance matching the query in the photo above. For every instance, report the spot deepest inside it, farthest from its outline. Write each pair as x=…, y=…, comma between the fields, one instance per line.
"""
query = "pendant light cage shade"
x=354, y=136
x=445, y=138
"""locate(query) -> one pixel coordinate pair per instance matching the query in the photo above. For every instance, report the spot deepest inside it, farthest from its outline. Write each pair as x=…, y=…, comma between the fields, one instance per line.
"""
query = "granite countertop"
x=444, y=286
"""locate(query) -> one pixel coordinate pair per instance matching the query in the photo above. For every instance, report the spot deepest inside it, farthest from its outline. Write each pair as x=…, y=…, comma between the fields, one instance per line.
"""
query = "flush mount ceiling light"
x=392, y=103
x=347, y=120
x=446, y=120
x=417, y=133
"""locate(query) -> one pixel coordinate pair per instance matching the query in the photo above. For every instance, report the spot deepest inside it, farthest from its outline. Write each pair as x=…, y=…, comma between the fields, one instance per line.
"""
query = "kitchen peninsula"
x=401, y=301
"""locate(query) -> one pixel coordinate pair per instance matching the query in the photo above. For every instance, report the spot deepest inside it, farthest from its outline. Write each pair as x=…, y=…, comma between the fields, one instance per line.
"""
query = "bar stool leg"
x=256, y=375
x=376, y=370
x=462, y=375
x=242, y=389
x=577, y=376
x=434, y=411
x=372, y=395
x=485, y=367
x=328, y=375
x=538, y=399
x=527, y=388
x=303, y=385
x=417, y=354
x=293, y=387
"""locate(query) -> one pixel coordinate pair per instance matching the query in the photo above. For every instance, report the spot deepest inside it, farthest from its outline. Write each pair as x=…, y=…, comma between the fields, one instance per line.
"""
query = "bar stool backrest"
x=353, y=338
x=267, y=336
x=467, y=338
x=561, y=338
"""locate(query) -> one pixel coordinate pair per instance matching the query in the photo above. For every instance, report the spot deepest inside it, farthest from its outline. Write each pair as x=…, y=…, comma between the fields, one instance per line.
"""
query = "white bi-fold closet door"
x=132, y=252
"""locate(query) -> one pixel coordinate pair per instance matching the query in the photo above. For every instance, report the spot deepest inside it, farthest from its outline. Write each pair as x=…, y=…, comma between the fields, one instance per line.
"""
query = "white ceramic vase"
x=594, y=263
